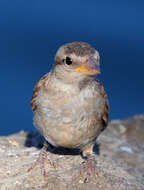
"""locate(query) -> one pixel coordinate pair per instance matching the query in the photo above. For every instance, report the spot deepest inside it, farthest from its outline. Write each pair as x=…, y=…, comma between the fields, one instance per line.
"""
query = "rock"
x=119, y=165
x=123, y=143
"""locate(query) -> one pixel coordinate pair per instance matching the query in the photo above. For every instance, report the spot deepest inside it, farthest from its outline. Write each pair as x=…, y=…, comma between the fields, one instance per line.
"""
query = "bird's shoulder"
x=37, y=89
x=98, y=86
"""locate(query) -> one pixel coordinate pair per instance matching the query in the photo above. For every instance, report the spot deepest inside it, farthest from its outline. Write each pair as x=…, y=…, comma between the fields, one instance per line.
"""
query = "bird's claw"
x=41, y=159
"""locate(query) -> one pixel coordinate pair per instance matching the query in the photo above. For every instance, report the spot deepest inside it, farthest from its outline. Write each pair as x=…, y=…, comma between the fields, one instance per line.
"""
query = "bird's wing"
x=36, y=91
x=105, y=114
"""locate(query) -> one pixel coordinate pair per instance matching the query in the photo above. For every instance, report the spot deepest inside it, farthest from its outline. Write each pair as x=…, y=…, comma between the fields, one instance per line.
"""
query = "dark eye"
x=68, y=61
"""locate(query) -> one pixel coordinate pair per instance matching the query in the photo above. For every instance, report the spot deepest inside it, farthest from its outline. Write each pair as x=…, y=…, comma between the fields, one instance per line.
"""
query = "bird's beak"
x=90, y=67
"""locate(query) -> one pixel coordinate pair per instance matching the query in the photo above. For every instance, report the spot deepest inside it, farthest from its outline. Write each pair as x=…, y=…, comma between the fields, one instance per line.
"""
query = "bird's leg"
x=90, y=164
x=41, y=159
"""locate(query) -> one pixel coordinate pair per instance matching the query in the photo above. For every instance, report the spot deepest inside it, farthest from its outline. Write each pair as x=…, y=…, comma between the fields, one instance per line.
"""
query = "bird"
x=69, y=104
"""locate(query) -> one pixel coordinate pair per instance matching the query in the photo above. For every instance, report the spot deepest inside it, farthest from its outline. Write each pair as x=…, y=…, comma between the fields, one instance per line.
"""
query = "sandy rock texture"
x=123, y=143
x=119, y=161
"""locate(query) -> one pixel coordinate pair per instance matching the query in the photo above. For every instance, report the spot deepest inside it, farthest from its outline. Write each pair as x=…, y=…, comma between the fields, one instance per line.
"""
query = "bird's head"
x=76, y=61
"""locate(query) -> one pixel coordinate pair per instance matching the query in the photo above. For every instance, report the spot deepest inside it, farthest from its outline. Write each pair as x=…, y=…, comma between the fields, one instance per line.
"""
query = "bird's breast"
x=68, y=119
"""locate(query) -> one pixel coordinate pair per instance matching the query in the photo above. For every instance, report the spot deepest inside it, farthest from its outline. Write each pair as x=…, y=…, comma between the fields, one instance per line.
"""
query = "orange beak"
x=89, y=67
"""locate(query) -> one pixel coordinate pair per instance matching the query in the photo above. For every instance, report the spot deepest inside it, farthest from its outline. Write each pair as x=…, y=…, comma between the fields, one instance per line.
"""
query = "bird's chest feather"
x=69, y=118
x=66, y=106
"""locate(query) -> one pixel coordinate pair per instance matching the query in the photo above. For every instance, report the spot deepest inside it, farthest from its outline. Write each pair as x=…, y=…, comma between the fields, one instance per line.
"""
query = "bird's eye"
x=68, y=61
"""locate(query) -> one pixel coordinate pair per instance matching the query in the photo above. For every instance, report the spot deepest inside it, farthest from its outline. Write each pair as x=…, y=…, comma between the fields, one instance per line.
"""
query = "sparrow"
x=69, y=104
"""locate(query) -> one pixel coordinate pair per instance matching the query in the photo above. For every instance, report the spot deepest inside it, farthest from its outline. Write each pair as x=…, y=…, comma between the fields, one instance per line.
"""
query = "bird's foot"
x=41, y=159
x=89, y=167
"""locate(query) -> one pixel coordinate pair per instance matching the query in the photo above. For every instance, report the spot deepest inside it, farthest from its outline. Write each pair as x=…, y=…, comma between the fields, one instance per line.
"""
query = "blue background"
x=31, y=32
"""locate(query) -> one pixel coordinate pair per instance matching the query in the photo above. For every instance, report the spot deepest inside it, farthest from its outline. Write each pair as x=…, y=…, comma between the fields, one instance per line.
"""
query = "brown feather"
x=79, y=48
x=36, y=91
x=105, y=115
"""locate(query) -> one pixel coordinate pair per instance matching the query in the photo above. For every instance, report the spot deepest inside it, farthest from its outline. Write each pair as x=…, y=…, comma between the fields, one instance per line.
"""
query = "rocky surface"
x=119, y=161
x=123, y=143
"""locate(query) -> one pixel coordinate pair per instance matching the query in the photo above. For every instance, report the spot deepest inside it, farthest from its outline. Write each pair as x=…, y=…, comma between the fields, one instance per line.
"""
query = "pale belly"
x=73, y=122
x=69, y=129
